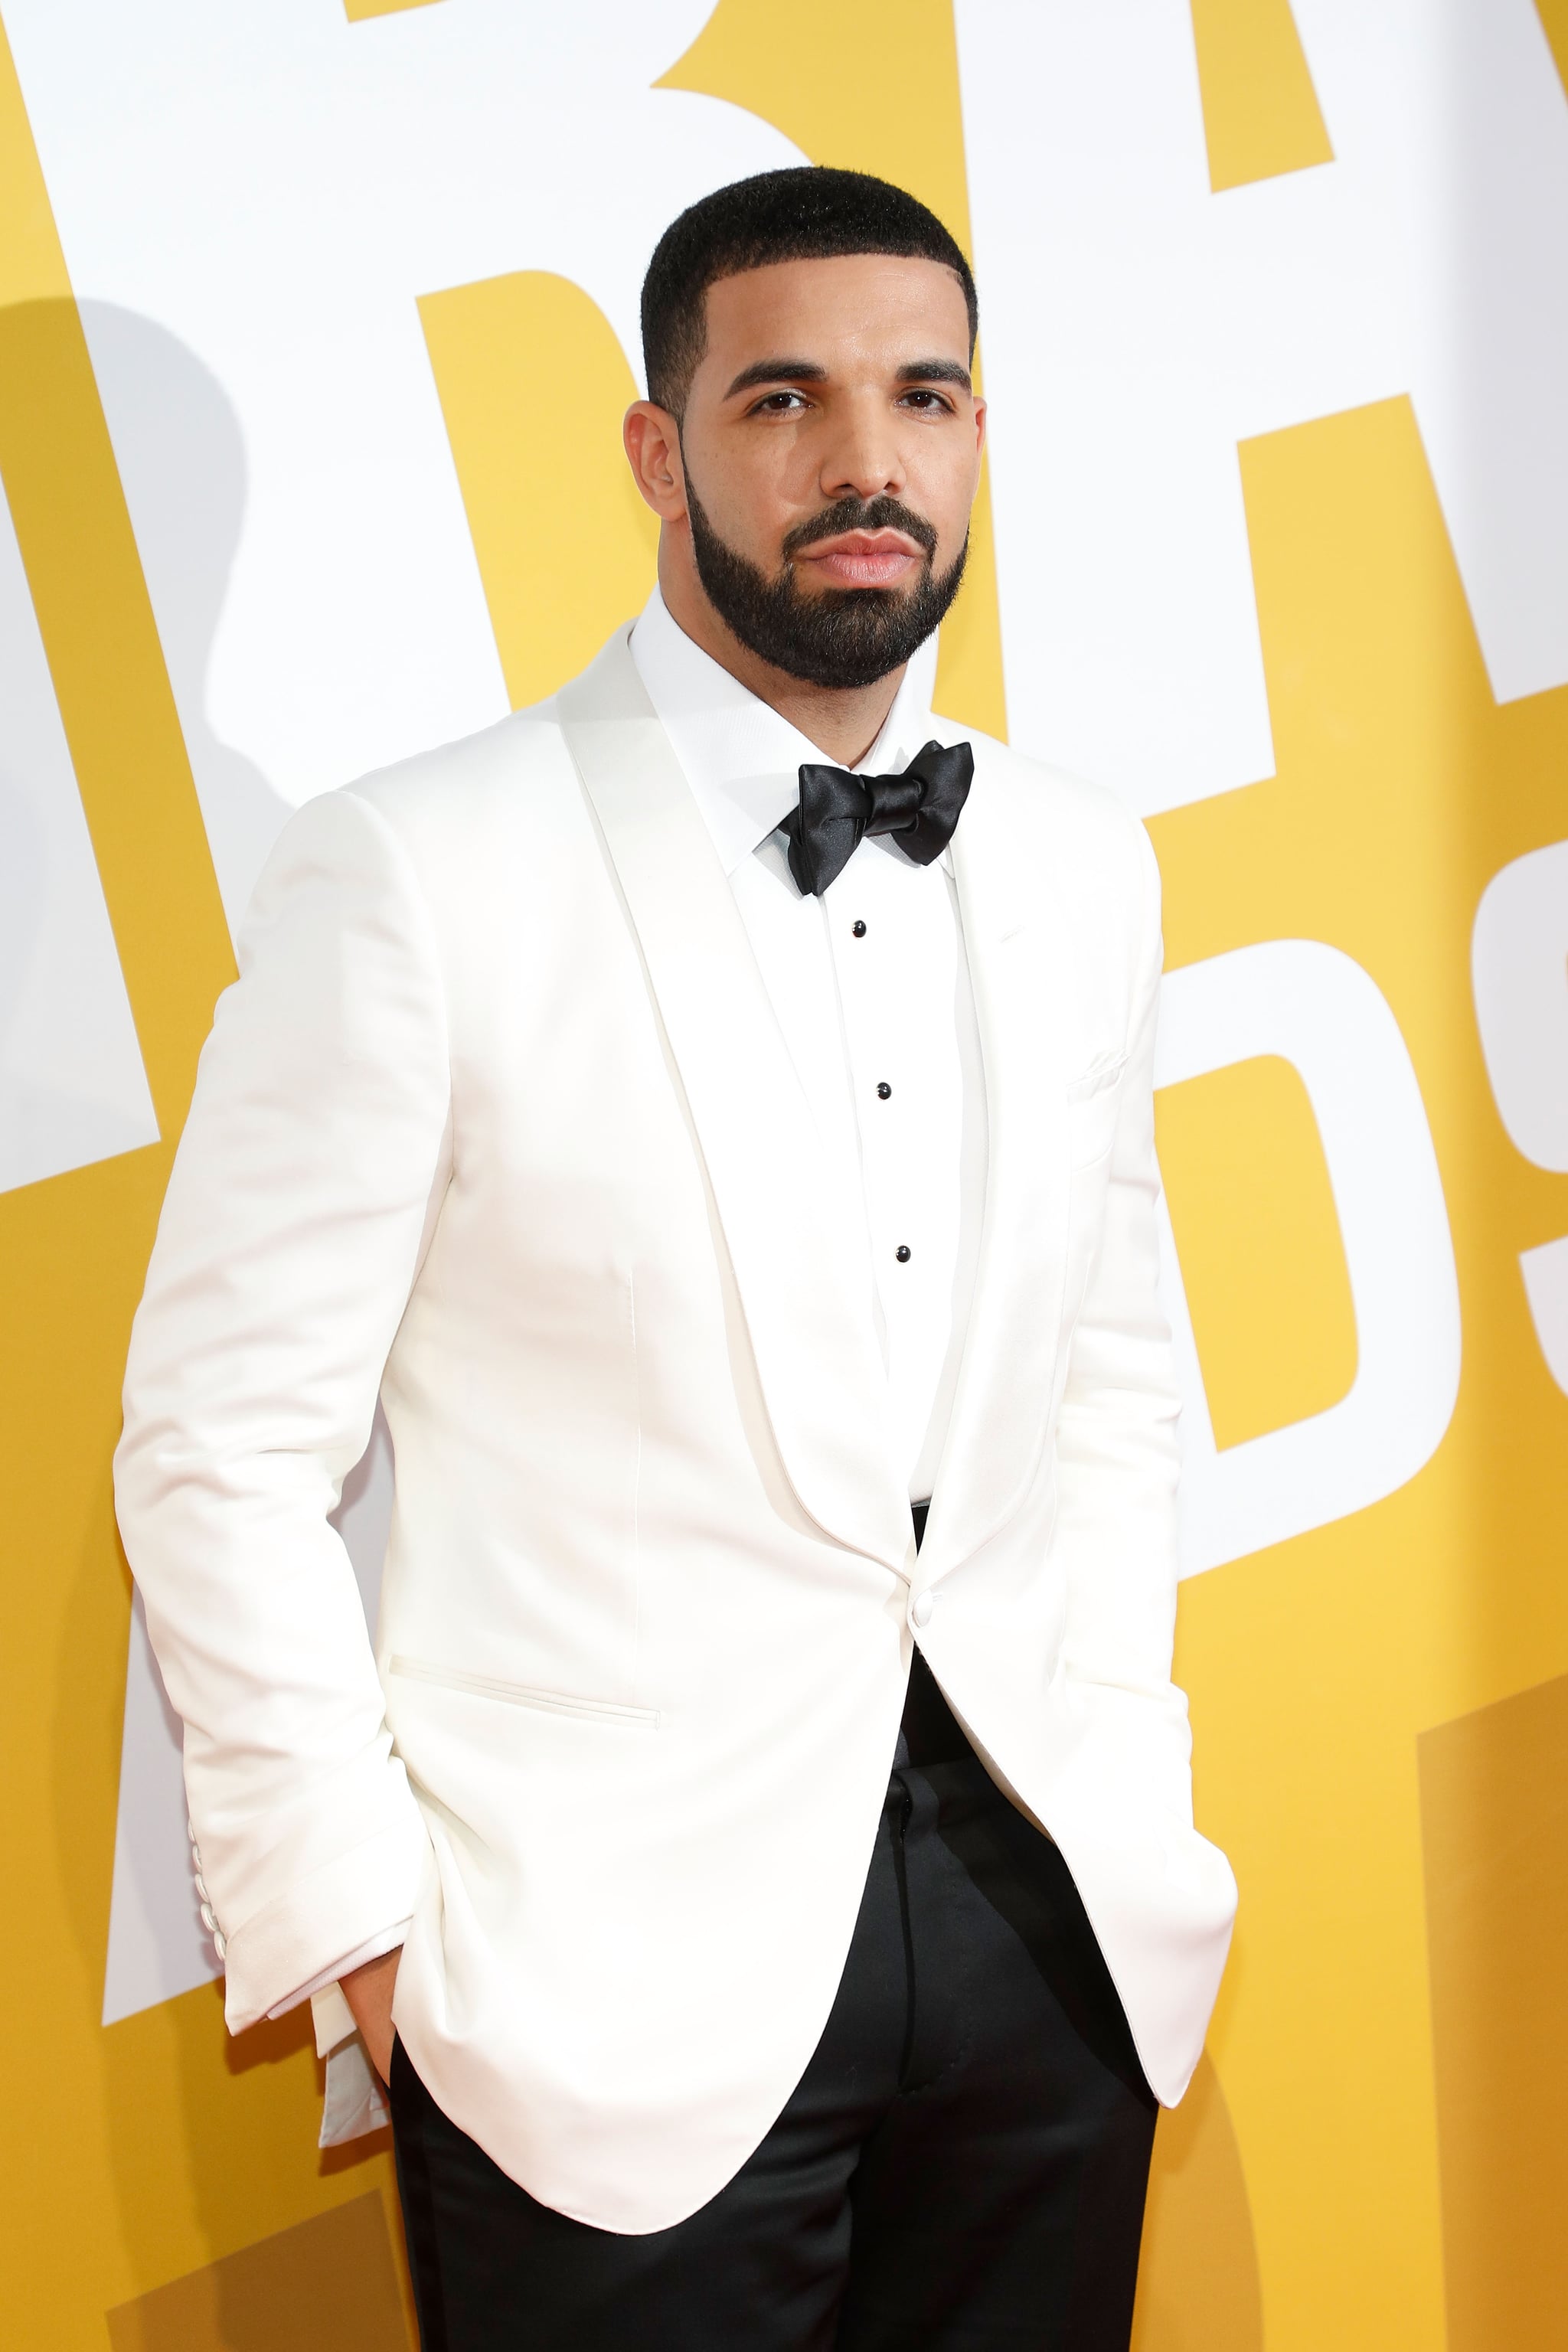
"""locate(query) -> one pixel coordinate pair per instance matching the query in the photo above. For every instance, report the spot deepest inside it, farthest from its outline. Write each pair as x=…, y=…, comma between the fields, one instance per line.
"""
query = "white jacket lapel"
x=1024, y=1010
x=800, y=1285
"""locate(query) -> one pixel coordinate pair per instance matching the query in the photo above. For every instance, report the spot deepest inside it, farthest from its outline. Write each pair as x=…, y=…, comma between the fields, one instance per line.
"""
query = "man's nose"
x=864, y=460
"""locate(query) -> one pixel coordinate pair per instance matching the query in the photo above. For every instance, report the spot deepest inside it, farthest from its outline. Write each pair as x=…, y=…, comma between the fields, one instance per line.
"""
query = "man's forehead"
x=843, y=298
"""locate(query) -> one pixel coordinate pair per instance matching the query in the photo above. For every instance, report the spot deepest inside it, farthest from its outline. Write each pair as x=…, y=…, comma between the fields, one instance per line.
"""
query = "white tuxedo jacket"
x=498, y=1122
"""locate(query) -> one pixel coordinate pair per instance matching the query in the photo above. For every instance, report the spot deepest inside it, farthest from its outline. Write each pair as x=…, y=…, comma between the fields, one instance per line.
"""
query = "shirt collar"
x=740, y=759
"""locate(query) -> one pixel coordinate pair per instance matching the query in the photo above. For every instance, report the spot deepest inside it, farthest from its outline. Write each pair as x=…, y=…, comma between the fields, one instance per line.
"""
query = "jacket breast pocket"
x=1093, y=1100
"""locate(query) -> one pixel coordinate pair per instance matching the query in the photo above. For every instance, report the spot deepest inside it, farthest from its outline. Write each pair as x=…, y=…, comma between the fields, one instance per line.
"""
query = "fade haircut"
x=809, y=213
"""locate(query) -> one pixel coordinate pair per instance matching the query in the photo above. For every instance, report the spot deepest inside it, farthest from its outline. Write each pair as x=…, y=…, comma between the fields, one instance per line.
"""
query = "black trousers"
x=961, y=2168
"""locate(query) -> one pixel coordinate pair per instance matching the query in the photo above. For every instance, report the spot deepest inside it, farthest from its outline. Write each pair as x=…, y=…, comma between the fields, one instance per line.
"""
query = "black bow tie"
x=838, y=811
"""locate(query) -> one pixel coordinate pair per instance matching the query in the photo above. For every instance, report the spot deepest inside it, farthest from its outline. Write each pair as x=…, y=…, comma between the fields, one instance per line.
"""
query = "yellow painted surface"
x=873, y=88
x=1261, y=115
x=1262, y=1263
x=328, y=2285
x=1553, y=14
x=358, y=11
x=533, y=385
x=1197, y=2286
x=1315, y=1667
x=32, y=267
x=1494, y=1792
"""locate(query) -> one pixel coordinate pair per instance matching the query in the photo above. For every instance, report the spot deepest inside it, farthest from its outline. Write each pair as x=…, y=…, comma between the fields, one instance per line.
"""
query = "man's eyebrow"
x=936, y=371
x=778, y=372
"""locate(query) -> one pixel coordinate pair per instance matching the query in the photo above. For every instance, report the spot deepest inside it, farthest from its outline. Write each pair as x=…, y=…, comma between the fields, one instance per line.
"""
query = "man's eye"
x=927, y=400
x=778, y=404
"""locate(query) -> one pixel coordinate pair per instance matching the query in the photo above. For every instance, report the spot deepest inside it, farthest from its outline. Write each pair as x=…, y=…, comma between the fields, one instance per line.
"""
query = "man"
x=713, y=1111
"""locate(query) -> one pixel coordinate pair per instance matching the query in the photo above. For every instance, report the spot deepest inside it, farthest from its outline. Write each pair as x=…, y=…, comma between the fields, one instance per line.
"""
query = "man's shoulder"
x=521, y=758
x=432, y=823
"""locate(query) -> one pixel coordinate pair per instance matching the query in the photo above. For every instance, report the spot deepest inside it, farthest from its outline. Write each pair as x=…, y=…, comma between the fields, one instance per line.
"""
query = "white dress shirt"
x=871, y=986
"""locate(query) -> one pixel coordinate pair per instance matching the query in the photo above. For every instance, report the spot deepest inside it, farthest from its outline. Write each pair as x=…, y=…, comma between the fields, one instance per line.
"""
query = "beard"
x=842, y=638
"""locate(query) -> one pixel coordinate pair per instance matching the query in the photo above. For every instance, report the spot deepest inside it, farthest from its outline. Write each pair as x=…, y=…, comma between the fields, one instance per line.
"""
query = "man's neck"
x=842, y=722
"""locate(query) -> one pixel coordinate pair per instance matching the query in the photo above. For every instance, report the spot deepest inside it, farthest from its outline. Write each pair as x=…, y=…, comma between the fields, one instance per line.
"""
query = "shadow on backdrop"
x=1198, y=2285
x=181, y=463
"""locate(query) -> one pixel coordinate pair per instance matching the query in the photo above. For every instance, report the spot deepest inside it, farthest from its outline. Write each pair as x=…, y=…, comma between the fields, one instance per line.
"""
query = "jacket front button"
x=923, y=1609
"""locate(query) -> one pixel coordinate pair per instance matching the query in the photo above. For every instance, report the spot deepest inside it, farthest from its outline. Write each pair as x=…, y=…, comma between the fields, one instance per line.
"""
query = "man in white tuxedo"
x=712, y=1112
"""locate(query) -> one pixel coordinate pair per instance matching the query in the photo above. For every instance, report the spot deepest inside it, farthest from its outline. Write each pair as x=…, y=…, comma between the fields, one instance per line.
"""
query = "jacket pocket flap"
x=638, y=1719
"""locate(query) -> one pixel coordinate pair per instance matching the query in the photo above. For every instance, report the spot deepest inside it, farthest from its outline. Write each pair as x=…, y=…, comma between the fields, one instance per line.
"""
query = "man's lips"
x=863, y=559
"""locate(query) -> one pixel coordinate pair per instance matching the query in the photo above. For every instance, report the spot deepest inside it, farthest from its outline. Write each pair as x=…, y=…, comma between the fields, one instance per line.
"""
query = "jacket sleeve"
x=1117, y=1456
x=304, y=1191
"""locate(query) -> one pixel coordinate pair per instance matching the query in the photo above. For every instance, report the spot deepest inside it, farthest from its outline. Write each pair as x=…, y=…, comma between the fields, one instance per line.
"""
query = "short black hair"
x=811, y=212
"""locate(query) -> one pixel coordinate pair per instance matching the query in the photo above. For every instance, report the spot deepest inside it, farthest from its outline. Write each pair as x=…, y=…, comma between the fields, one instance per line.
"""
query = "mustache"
x=860, y=514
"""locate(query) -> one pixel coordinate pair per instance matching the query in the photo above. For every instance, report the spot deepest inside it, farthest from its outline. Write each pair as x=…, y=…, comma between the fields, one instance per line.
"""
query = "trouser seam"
x=906, y=1924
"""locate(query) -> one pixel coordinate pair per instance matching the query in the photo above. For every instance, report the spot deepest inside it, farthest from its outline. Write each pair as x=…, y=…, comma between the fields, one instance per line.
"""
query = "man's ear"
x=652, y=437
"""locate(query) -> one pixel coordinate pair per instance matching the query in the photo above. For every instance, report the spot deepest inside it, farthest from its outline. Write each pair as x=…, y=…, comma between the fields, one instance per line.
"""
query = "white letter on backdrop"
x=1519, y=970
x=1318, y=1009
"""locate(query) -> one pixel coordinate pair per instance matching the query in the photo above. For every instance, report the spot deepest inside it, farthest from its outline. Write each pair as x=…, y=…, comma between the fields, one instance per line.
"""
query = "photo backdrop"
x=317, y=319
